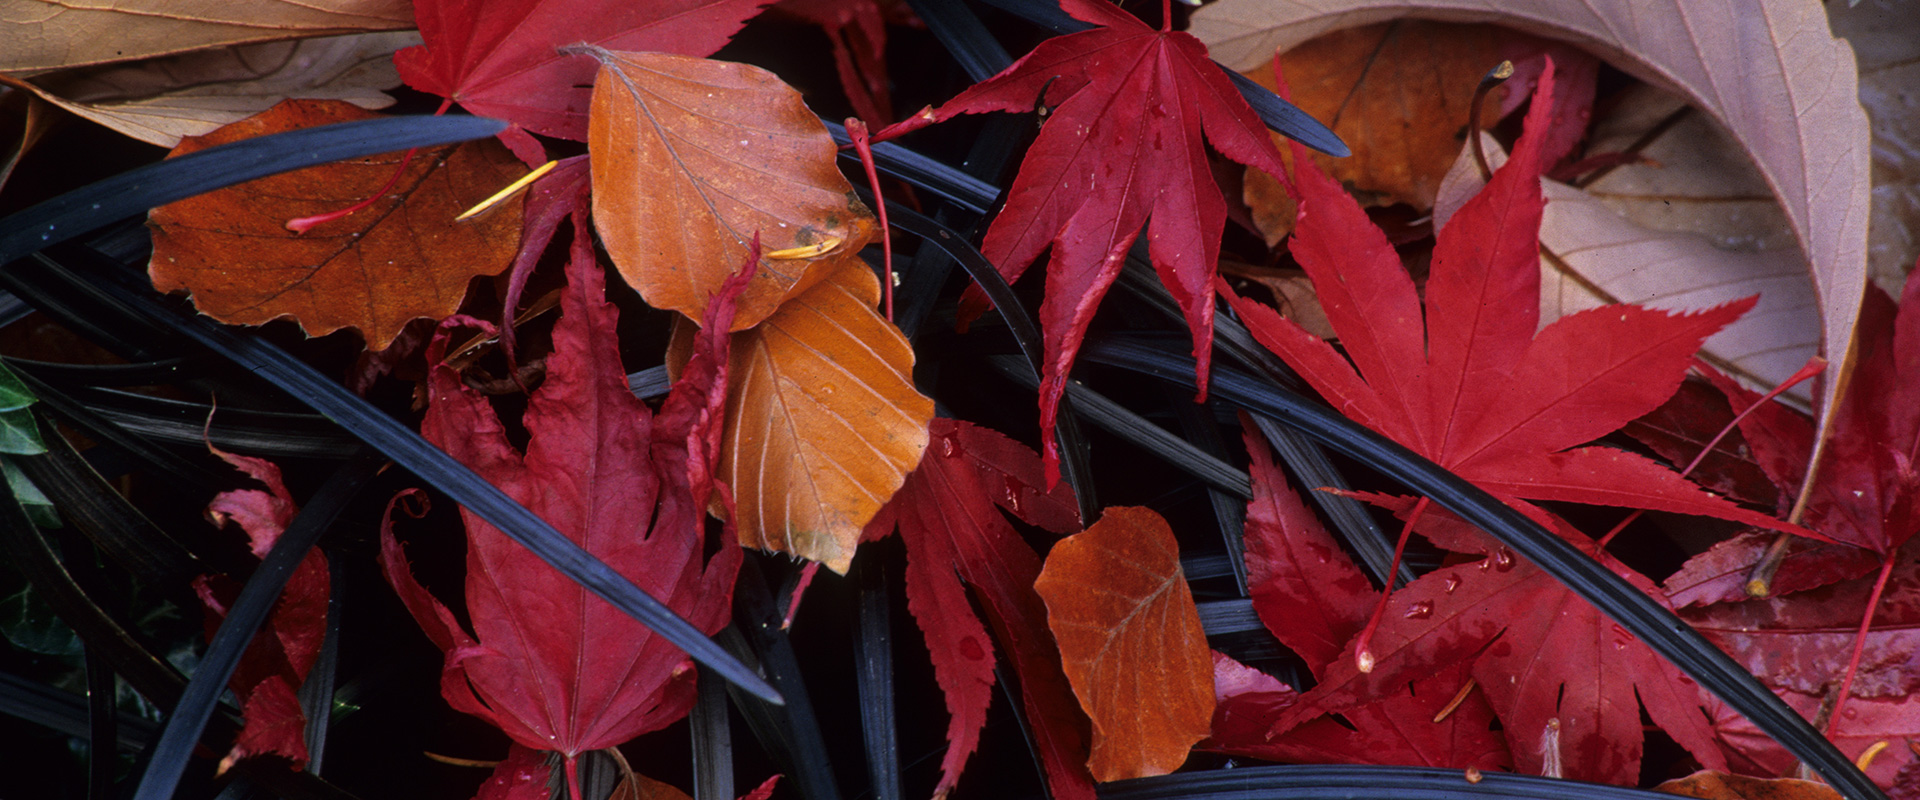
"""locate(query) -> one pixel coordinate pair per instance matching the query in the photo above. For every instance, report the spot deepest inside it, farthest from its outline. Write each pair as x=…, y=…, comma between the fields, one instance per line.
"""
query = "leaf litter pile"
x=1638, y=277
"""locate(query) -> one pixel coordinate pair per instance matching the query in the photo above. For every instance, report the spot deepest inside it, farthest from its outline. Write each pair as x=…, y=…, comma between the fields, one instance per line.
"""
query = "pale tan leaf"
x=1603, y=257
x=1769, y=71
x=692, y=159
x=823, y=422
x=162, y=100
x=55, y=34
x=1130, y=642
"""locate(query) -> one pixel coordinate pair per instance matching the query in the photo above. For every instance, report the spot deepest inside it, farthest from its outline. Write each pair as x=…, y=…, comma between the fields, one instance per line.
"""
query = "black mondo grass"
x=780, y=690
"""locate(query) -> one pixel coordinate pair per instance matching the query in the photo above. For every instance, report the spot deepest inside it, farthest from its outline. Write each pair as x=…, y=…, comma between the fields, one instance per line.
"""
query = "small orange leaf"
x=823, y=422
x=1710, y=785
x=375, y=270
x=691, y=158
x=1131, y=642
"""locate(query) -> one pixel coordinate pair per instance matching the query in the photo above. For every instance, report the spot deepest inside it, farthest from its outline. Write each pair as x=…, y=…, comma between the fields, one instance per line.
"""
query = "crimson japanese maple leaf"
x=1562, y=677
x=1476, y=390
x=1313, y=599
x=947, y=518
x=501, y=58
x=281, y=654
x=1123, y=143
x=551, y=665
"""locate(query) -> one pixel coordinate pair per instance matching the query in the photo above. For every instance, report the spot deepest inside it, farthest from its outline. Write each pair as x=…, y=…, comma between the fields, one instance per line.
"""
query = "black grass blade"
x=968, y=41
x=1358, y=782
x=175, y=748
x=873, y=662
x=1672, y=638
x=134, y=191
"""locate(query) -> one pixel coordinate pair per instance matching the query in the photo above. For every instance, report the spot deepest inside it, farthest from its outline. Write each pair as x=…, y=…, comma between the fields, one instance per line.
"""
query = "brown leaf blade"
x=823, y=421
x=375, y=270
x=692, y=158
x=1131, y=642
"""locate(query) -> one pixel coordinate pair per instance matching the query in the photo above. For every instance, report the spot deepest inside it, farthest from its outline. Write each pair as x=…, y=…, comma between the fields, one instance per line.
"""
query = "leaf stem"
x=1363, y=650
x=1494, y=77
x=863, y=144
x=1859, y=644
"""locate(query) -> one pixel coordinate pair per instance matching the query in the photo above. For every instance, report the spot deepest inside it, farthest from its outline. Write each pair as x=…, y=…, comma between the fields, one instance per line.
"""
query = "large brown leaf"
x=158, y=101
x=823, y=422
x=692, y=158
x=1131, y=642
x=1770, y=71
x=401, y=259
x=42, y=34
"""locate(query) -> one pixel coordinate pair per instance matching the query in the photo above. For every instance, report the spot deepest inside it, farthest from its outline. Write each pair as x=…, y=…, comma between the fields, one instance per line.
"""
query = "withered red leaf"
x=627, y=484
x=947, y=516
x=1133, y=111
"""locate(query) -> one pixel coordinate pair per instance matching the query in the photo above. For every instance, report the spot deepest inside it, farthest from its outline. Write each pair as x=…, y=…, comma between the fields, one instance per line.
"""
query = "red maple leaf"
x=1313, y=599
x=501, y=58
x=947, y=518
x=1122, y=142
x=278, y=659
x=628, y=485
x=1477, y=391
x=1560, y=675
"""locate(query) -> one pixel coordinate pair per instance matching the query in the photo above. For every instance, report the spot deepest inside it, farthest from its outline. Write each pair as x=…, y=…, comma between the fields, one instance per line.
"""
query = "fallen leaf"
x=1477, y=391
x=628, y=485
x=823, y=421
x=283, y=651
x=522, y=775
x=1130, y=642
x=502, y=58
x=1552, y=666
x=1735, y=63
x=44, y=34
x=1885, y=35
x=1683, y=426
x=1314, y=600
x=1710, y=785
x=1600, y=257
x=161, y=100
x=374, y=271
x=1865, y=723
x=1803, y=641
x=1123, y=142
x=692, y=159
x=946, y=516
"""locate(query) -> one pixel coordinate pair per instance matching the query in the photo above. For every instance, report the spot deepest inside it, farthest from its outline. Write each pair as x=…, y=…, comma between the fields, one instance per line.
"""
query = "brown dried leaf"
x=50, y=34
x=823, y=422
x=1710, y=785
x=692, y=158
x=401, y=259
x=1130, y=642
x=161, y=100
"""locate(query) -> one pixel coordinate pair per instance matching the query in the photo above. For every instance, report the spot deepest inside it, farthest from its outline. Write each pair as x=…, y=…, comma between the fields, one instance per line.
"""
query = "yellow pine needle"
x=501, y=196
x=819, y=248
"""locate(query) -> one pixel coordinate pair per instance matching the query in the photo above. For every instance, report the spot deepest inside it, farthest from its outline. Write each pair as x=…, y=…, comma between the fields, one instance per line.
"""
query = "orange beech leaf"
x=823, y=422
x=1131, y=643
x=375, y=270
x=1710, y=785
x=692, y=158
